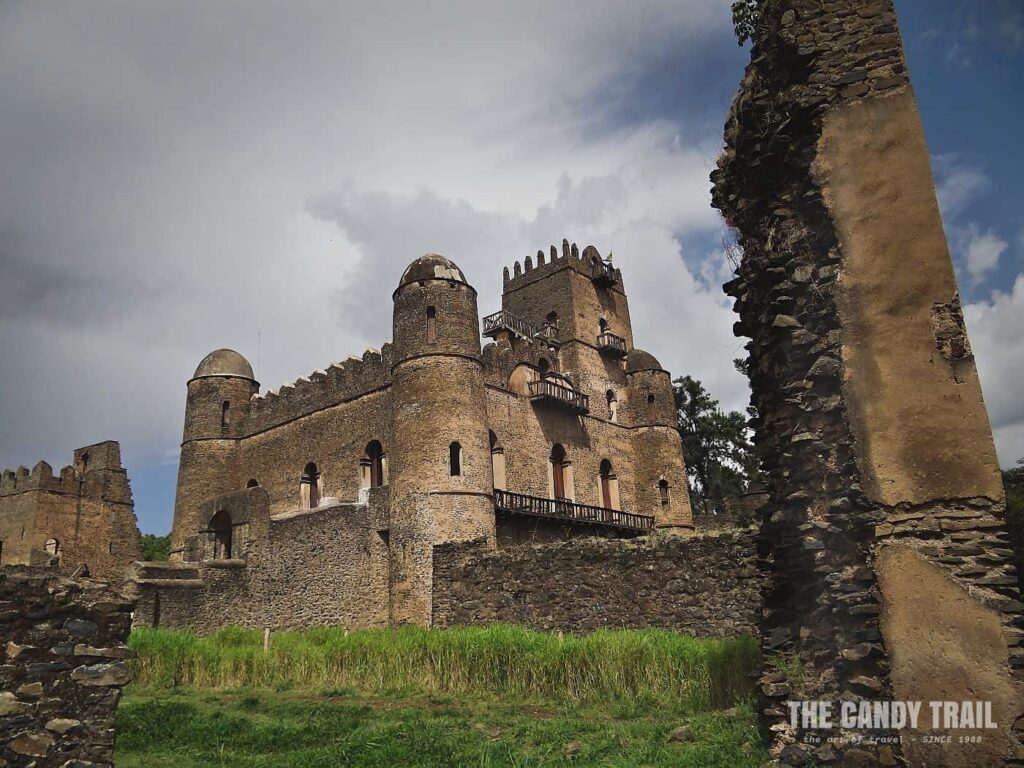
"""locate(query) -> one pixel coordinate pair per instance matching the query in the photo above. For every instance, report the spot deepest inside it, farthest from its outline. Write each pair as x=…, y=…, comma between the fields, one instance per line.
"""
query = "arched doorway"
x=497, y=462
x=310, y=486
x=558, y=462
x=373, y=465
x=607, y=478
x=220, y=527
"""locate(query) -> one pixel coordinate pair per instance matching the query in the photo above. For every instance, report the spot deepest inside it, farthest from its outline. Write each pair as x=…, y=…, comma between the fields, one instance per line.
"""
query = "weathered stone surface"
x=826, y=179
x=83, y=516
x=66, y=716
x=707, y=586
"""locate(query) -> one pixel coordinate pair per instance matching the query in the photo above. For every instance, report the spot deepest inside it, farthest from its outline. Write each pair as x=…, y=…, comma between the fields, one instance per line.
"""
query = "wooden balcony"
x=603, y=273
x=610, y=344
x=563, y=509
x=506, y=321
x=558, y=394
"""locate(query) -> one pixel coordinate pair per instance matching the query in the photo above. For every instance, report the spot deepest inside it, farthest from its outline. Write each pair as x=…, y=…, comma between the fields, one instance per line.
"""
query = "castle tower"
x=440, y=473
x=658, y=469
x=215, y=410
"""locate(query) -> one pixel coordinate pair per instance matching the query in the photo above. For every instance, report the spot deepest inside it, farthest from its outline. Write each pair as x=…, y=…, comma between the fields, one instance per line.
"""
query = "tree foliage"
x=155, y=547
x=746, y=18
x=719, y=457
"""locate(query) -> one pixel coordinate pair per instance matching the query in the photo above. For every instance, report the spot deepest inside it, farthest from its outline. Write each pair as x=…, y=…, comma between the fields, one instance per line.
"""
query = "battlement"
x=321, y=389
x=85, y=476
x=589, y=263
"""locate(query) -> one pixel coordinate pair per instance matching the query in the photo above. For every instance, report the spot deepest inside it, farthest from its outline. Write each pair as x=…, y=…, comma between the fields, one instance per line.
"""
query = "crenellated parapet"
x=589, y=263
x=321, y=389
x=97, y=473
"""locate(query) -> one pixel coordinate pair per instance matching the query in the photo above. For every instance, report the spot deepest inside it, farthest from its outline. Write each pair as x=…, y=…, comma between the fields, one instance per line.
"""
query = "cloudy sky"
x=182, y=176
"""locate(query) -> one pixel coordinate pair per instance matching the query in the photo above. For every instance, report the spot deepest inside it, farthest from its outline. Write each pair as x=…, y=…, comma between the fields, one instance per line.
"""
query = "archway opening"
x=374, y=462
x=220, y=526
x=310, y=486
x=558, y=461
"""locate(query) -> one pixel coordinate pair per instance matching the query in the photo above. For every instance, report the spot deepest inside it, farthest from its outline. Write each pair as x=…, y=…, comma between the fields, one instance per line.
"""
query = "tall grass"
x=639, y=667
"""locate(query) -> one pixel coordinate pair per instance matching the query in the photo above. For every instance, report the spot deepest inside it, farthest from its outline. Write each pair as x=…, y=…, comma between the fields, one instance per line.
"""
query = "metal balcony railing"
x=503, y=320
x=603, y=273
x=556, y=393
x=610, y=344
x=563, y=509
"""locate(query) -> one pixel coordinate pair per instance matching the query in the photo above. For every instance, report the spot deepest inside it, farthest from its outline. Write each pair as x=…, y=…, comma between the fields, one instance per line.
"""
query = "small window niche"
x=431, y=325
x=455, y=459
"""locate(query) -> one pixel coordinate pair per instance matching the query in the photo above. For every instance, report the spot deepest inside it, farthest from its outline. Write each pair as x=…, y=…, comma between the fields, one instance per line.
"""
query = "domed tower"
x=440, y=471
x=215, y=412
x=658, y=467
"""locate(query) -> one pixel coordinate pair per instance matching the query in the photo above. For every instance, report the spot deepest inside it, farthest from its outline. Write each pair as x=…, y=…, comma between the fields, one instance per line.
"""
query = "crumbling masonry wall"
x=890, y=574
x=63, y=667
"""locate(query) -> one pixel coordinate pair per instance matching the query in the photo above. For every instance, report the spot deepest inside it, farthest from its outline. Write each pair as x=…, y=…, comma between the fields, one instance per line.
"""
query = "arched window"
x=455, y=459
x=373, y=465
x=309, y=487
x=497, y=462
x=609, y=486
x=558, y=462
x=663, y=492
x=602, y=325
x=544, y=366
x=52, y=547
x=650, y=408
x=613, y=405
x=225, y=414
x=431, y=325
x=220, y=527
x=552, y=318
x=253, y=483
x=83, y=462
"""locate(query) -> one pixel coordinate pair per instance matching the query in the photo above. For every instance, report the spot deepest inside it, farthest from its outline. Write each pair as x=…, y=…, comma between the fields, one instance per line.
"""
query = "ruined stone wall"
x=88, y=510
x=884, y=486
x=707, y=587
x=63, y=667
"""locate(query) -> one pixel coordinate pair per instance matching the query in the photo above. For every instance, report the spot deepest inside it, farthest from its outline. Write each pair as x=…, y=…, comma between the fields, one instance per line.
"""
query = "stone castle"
x=81, y=517
x=330, y=495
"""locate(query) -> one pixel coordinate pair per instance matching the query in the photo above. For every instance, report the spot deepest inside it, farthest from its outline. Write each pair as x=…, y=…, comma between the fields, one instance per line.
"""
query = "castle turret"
x=440, y=474
x=215, y=411
x=659, y=472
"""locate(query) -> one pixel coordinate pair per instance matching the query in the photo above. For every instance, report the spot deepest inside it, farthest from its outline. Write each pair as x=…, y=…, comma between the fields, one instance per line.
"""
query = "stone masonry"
x=82, y=517
x=558, y=428
x=63, y=665
x=704, y=586
x=890, y=574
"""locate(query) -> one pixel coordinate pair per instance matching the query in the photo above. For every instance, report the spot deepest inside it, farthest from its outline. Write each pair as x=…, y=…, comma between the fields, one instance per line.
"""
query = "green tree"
x=746, y=18
x=719, y=457
x=155, y=547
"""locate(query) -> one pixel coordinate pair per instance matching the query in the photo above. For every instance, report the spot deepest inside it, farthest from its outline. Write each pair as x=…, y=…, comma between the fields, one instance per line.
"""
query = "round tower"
x=216, y=408
x=658, y=467
x=440, y=471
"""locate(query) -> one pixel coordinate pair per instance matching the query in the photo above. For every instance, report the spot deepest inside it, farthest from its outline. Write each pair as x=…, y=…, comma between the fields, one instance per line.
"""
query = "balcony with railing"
x=563, y=509
x=556, y=393
x=610, y=344
x=506, y=321
x=603, y=273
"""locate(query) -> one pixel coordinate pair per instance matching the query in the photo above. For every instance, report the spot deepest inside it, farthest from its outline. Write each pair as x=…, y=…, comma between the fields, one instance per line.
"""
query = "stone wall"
x=884, y=485
x=86, y=509
x=327, y=566
x=63, y=667
x=708, y=587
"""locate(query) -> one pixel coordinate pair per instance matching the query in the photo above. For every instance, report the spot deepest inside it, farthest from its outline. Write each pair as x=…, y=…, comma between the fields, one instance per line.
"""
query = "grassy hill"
x=495, y=696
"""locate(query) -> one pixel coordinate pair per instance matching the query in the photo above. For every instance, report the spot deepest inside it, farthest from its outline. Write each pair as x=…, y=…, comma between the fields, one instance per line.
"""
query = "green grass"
x=496, y=696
